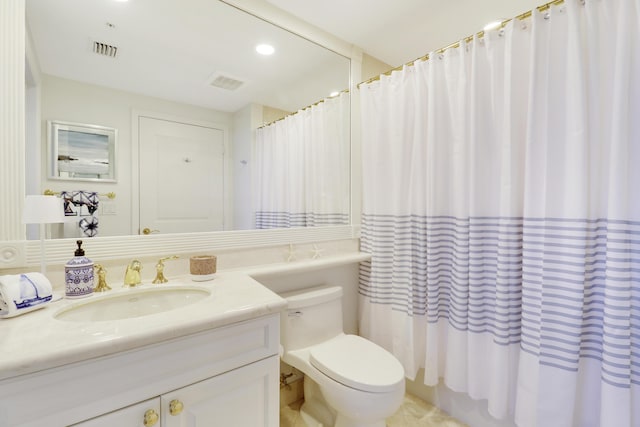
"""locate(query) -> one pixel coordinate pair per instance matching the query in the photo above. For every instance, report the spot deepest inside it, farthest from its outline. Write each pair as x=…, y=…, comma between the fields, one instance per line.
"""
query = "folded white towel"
x=21, y=293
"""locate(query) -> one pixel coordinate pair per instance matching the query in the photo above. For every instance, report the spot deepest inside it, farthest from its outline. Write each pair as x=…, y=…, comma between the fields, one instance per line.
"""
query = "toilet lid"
x=357, y=363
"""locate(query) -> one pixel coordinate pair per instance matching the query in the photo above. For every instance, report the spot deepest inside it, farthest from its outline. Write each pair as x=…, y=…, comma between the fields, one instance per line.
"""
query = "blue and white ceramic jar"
x=78, y=274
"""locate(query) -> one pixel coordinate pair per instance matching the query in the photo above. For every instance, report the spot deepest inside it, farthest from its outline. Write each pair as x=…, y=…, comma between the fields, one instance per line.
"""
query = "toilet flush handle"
x=296, y=313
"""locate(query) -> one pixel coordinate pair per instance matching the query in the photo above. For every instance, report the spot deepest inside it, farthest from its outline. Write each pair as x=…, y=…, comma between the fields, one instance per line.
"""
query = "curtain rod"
x=302, y=109
x=467, y=39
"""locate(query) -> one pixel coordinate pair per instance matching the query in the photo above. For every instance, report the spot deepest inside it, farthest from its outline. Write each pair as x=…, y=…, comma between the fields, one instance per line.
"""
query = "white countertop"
x=304, y=266
x=37, y=340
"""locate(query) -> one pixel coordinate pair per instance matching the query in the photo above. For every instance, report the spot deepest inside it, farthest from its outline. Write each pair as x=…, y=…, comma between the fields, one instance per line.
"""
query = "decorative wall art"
x=81, y=152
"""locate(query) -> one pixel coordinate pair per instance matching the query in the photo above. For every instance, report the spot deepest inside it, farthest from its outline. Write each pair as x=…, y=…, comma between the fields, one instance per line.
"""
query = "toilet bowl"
x=349, y=381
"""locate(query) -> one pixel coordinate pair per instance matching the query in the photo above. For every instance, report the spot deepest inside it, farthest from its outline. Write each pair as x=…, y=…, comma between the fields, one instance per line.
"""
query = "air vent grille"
x=105, y=49
x=225, y=82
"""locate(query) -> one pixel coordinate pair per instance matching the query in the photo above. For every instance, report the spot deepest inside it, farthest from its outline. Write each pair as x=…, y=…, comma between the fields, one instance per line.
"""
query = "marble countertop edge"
x=38, y=341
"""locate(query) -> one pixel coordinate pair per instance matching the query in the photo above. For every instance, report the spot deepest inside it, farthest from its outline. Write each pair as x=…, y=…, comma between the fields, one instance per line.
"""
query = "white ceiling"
x=170, y=49
x=399, y=31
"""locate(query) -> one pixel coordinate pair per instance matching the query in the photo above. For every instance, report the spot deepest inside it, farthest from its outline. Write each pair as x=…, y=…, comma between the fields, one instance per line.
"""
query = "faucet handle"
x=162, y=260
x=160, y=269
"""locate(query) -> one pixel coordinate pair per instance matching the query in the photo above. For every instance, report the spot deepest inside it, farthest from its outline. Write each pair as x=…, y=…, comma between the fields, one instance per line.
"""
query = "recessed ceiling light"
x=334, y=93
x=494, y=25
x=265, y=49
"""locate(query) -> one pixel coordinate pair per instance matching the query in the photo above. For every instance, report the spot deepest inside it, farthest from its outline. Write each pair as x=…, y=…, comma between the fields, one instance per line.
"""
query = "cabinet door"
x=143, y=414
x=246, y=396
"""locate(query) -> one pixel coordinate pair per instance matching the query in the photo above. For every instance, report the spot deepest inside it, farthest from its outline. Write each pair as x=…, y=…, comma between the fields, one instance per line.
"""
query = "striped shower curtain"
x=501, y=206
x=302, y=168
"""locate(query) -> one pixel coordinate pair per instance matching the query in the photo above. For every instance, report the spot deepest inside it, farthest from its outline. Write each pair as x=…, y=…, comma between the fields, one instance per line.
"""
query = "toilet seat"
x=357, y=363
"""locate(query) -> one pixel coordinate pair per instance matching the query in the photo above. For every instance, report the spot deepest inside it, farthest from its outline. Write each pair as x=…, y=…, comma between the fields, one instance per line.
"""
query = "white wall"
x=245, y=121
x=72, y=101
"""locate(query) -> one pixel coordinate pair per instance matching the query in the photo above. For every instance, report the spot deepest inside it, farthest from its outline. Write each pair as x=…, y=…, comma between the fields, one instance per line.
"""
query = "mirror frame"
x=16, y=251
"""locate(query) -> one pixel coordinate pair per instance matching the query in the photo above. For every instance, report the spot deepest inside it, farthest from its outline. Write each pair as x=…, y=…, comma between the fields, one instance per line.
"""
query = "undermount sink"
x=132, y=303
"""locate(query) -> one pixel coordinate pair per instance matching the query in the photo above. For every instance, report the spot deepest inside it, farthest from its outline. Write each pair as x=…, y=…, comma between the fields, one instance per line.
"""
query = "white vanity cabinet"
x=146, y=414
x=226, y=376
x=242, y=397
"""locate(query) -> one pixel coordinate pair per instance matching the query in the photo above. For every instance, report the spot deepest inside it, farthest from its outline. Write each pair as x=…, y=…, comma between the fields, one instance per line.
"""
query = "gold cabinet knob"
x=175, y=407
x=147, y=230
x=151, y=417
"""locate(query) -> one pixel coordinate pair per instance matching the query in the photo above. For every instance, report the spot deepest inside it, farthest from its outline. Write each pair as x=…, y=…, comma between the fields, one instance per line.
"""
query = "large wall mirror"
x=165, y=75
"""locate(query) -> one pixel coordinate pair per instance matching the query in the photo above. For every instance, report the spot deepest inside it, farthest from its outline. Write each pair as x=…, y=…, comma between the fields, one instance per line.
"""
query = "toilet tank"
x=313, y=315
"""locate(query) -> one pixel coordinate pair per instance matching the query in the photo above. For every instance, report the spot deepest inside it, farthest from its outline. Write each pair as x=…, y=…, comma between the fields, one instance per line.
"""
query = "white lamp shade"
x=40, y=209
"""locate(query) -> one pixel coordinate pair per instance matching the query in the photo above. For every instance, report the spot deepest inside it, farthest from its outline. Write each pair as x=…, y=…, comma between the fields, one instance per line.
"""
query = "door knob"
x=147, y=230
x=175, y=407
x=150, y=418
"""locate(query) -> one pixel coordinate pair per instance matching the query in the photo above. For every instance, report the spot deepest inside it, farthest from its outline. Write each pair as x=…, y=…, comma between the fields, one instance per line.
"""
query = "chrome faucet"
x=160, y=269
x=132, y=275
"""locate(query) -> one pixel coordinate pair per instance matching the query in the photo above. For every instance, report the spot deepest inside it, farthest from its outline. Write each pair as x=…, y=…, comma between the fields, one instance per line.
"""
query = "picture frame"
x=81, y=152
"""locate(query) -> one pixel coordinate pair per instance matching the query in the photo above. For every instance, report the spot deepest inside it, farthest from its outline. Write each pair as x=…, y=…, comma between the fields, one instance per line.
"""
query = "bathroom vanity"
x=214, y=360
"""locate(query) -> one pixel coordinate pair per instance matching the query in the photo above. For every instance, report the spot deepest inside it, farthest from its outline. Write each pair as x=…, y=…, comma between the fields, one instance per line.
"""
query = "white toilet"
x=349, y=381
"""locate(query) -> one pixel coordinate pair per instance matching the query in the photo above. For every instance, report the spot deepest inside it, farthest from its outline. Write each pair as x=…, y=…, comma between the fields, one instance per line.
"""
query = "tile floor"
x=414, y=412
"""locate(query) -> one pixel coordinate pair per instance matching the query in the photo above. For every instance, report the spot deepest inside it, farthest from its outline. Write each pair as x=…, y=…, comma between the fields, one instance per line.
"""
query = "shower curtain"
x=502, y=211
x=302, y=167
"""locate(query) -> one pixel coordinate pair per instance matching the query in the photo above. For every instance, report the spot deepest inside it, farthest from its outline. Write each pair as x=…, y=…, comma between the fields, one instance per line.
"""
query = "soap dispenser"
x=78, y=273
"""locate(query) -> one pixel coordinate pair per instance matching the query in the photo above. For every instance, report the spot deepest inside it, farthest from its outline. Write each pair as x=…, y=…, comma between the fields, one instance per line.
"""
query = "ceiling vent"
x=225, y=82
x=105, y=49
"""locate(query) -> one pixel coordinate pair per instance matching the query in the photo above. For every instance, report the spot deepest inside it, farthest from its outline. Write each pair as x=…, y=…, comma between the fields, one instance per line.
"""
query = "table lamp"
x=43, y=210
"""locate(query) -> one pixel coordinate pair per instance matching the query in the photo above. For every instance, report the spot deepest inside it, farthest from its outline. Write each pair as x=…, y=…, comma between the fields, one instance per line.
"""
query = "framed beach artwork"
x=81, y=152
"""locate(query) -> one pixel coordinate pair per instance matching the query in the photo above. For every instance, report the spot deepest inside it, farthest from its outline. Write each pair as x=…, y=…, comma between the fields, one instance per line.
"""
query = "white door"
x=181, y=177
x=244, y=397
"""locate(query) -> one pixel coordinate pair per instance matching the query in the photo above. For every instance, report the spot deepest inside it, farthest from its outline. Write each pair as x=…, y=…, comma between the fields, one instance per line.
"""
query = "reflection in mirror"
x=184, y=87
x=81, y=152
x=302, y=168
